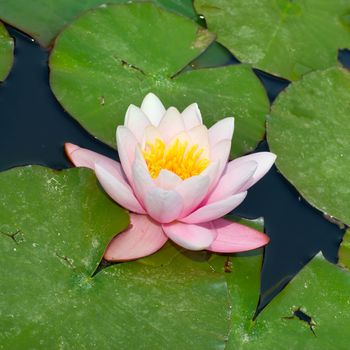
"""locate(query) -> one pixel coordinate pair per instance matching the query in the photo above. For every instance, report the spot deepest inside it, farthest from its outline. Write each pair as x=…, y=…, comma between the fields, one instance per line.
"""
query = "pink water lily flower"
x=175, y=179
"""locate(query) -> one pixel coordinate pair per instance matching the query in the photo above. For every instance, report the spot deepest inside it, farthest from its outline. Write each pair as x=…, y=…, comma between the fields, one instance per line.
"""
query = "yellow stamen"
x=177, y=157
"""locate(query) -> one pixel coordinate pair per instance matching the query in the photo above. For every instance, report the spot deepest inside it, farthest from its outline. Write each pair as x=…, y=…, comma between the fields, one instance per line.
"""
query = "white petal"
x=222, y=130
x=192, y=116
x=194, y=189
x=142, y=180
x=151, y=134
x=232, y=180
x=199, y=136
x=136, y=121
x=117, y=189
x=162, y=205
x=215, y=210
x=265, y=160
x=153, y=108
x=127, y=145
x=167, y=180
x=171, y=124
x=220, y=153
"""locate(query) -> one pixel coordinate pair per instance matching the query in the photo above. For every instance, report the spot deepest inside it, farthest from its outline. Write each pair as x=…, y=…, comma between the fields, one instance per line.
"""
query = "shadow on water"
x=34, y=127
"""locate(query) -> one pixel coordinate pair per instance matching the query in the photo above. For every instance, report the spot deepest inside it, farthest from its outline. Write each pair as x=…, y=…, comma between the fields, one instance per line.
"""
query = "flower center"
x=178, y=157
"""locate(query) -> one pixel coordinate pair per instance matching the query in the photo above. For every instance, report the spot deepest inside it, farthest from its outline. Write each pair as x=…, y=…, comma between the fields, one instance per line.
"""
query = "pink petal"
x=142, y=238
x=82, y=157
x=194, y=189
x=220, y=153
x=167, y=180
x=215, y=210
x=142, y=180
x=212, y=171
x=264, y=160
x=199, y=136
x=162, y=205
x=222, y=130
x=192, y=116
x=151, y=134
x=136, y=121
x=171, y=124
x=116, y=187
x=232, y=180
x=233, y=237
x=127, y=144
x=193, y=237
x=153, y=108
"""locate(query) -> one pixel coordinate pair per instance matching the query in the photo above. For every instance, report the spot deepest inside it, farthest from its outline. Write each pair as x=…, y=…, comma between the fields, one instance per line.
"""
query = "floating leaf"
x=312, y=312
x=107, y=60
x=283, y=37
x=6, y=52
x=309, y=131
x=44, y=19
x=54, y=229
x=344, y=251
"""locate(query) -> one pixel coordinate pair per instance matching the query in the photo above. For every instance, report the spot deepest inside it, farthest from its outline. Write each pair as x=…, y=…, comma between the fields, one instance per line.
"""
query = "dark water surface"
x=34, y=128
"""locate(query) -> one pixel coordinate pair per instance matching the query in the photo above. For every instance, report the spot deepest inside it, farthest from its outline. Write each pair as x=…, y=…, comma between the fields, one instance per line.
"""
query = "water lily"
x=175, y=179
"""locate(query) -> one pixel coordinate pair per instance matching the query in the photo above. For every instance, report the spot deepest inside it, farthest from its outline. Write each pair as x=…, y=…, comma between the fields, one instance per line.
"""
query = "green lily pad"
x=312, y=312
x=6, y=52
x=344, y=251
x=106, y=60
x=54, y=229
x=283, y=37
x=44, y=19
x=309, y=131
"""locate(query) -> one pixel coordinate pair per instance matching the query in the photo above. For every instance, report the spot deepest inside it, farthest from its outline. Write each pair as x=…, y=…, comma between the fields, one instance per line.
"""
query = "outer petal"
x=116, y=188
x=265, y=161
x=82, y=157
x=192, y=116
x=136, y=121
x=233, y=237
x=215, y=210
x=171, y=124
x=232, y=180
x=193, y=237
x=127, y=145
x=142, y=238
x=153, y=108
x=222, y=130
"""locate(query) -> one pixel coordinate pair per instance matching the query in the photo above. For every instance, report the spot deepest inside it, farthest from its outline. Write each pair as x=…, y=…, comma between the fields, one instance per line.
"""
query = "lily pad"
x=54, y=229
x=106, y=60
x=44, y=19
x=312, y=312
x=309, y=131
x=6, y=52
x=344, y=251
x=283, y=37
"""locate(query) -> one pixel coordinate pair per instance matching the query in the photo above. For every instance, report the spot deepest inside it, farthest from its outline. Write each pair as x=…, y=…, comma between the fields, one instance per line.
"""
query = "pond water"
x=34, y=127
